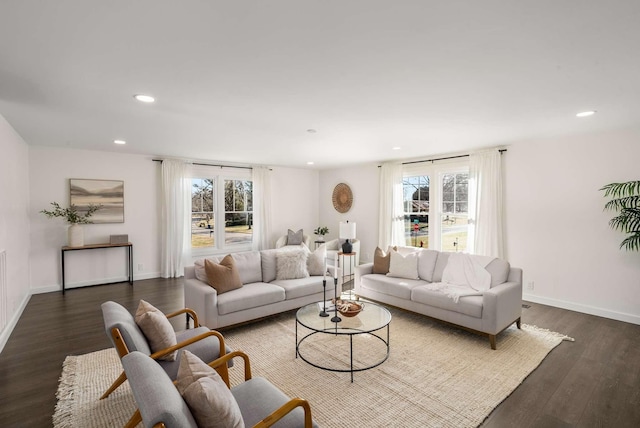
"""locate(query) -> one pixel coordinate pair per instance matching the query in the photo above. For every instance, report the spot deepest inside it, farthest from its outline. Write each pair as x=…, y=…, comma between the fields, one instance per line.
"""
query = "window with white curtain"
x=436, y=205
x=221, y=210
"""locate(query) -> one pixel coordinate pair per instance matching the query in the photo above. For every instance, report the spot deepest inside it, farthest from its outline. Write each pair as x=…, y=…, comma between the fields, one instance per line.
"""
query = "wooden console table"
x=129, y=246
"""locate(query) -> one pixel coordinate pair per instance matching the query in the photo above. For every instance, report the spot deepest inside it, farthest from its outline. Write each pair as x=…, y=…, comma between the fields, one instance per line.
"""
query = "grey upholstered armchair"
x=160, y=404
x=126, y=337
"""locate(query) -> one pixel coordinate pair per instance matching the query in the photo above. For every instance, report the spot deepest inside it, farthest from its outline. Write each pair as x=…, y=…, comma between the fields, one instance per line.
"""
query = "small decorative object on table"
x=75, y=217
x=349, y=308
x=320, y=231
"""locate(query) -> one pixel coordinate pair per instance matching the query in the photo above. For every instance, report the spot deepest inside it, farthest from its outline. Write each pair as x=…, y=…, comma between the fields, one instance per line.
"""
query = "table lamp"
x=347, y=231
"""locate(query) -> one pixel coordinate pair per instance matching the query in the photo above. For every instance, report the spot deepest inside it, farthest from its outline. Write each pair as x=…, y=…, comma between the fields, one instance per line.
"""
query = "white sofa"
x=261, y=294
x=487, y=314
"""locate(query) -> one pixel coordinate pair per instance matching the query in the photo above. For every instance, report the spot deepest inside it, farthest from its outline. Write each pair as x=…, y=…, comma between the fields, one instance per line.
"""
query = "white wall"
x=50, y=171
x=14, y=223
x=557, y=230
x=364, y=182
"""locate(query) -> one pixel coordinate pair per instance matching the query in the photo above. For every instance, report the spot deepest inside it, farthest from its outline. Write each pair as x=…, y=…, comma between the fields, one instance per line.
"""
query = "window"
x=436, y=207
x=221, y=210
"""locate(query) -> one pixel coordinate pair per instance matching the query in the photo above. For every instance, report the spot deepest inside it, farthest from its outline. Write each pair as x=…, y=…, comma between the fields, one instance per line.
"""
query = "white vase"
x=76, y=235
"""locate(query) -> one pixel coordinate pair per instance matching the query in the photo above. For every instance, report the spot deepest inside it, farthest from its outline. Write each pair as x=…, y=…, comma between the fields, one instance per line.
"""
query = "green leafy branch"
x=321, y=231
x=71, y=214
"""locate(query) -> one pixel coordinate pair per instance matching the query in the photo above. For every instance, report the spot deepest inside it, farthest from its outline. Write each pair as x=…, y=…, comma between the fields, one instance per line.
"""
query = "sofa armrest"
x=203, y=299
x=361, y=270
x=501, y=306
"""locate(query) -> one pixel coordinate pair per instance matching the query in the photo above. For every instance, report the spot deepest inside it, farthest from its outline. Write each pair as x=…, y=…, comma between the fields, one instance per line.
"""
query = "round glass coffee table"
x=362, y=327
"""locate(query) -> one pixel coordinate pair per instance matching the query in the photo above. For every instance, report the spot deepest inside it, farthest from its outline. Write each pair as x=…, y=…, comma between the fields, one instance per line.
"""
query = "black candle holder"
x=324, y=312
x=335, y=318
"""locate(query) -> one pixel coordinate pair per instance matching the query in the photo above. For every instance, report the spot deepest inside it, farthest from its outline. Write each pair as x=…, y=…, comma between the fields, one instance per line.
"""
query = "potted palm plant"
x=626, y=201
x=75, y=218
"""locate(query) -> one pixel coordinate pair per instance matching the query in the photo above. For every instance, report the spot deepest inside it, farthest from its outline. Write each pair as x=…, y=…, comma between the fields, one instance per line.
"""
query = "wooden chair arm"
x=285, y=410
x=187, y=342
x=221, y=363
x=191, y=313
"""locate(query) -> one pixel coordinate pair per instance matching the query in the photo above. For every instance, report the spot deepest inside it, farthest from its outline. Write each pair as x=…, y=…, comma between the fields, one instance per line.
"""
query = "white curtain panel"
x=175, y=213
x=485, y=204
x=391, y=226
x=261, y=177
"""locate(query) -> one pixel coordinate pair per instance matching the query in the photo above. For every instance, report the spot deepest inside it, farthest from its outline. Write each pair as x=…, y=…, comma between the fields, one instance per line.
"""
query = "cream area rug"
x=435, y=376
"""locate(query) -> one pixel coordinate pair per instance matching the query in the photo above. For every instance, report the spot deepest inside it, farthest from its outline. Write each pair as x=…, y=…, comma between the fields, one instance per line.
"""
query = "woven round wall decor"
x=342, y=198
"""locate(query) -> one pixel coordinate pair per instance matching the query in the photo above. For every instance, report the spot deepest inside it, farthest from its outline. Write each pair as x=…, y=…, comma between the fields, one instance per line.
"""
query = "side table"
x=341, y=263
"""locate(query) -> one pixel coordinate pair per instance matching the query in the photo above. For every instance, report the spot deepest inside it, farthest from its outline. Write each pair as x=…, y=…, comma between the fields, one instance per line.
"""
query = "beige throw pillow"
x=224, y=276
x=156, y=328
x=210, y=401
x=291, y=264
x=381, y=260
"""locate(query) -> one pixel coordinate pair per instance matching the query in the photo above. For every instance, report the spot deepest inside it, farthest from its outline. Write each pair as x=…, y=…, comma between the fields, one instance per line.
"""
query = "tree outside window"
x=238, y=215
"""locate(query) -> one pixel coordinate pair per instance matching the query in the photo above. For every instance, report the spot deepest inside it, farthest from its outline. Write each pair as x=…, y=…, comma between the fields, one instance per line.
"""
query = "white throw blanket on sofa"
x=464, y=275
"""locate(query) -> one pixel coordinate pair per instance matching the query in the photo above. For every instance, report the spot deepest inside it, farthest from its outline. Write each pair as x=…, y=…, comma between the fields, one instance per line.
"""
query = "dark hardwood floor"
x=592, y=382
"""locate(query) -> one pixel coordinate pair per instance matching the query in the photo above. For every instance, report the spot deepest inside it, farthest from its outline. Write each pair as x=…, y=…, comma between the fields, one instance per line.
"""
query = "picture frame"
x=107, y=193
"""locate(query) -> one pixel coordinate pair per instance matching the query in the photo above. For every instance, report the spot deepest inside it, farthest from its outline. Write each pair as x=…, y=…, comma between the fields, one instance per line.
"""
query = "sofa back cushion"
x=499, y=270
x=249, y=266
x=268, y=261
x=201, y=274
x=441, y=263
x=427, y=264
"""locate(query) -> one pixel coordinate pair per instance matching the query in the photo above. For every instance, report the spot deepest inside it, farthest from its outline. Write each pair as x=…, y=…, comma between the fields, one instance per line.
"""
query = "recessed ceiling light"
x=310, y=163
x=119, y=141
x=396, y=148
x=586, y=113
x=144, y=98
x=311, y=131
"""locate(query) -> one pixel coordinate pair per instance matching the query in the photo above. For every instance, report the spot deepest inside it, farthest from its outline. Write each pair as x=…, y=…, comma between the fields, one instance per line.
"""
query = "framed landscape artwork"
x=109, y=194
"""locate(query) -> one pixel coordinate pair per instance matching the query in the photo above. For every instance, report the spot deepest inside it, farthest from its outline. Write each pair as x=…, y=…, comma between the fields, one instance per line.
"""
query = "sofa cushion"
x=250, y=296
x=390, y=286
x=295, y=238
x=403, y=266
x=249, y=266
x=499, y=270
x=316, y=263
x=427, y=264
x=211, y=402
x=291, y=264
x=468, y=305
x=223, y=277
x=156, y=328
x=302, y=287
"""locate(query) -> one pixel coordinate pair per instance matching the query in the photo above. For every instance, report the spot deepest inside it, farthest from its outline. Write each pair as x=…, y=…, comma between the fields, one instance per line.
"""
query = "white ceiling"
x=243, y=81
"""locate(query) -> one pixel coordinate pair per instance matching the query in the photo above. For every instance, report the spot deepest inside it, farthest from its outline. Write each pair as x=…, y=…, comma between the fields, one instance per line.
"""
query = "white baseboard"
x=6, y=333
x=586, y=309
x=58, y=287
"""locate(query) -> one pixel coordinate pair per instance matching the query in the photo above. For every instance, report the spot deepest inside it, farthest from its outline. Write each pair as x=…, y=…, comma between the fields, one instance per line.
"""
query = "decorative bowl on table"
x=349, y=308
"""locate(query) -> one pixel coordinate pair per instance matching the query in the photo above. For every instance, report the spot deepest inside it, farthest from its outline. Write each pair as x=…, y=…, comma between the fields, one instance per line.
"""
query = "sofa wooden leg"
x=519, y=323
x=492, y=341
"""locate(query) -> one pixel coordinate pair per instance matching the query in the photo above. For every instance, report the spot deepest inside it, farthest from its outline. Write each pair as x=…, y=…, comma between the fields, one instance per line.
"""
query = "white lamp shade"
x=347, y=230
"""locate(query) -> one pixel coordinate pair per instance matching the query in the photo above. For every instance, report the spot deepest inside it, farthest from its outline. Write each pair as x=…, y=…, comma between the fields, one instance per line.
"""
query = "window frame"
x=219, y=176
x=435, y=172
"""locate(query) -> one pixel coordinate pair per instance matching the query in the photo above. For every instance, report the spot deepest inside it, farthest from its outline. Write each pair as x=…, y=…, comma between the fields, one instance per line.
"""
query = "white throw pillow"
x=206, y=394
x=291, y=264
x=316, y=261
x=403, y=266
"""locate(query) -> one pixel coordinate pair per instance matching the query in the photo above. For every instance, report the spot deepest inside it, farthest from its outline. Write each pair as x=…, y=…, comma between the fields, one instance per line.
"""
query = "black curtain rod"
x=210, y=164
x=450, y=157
